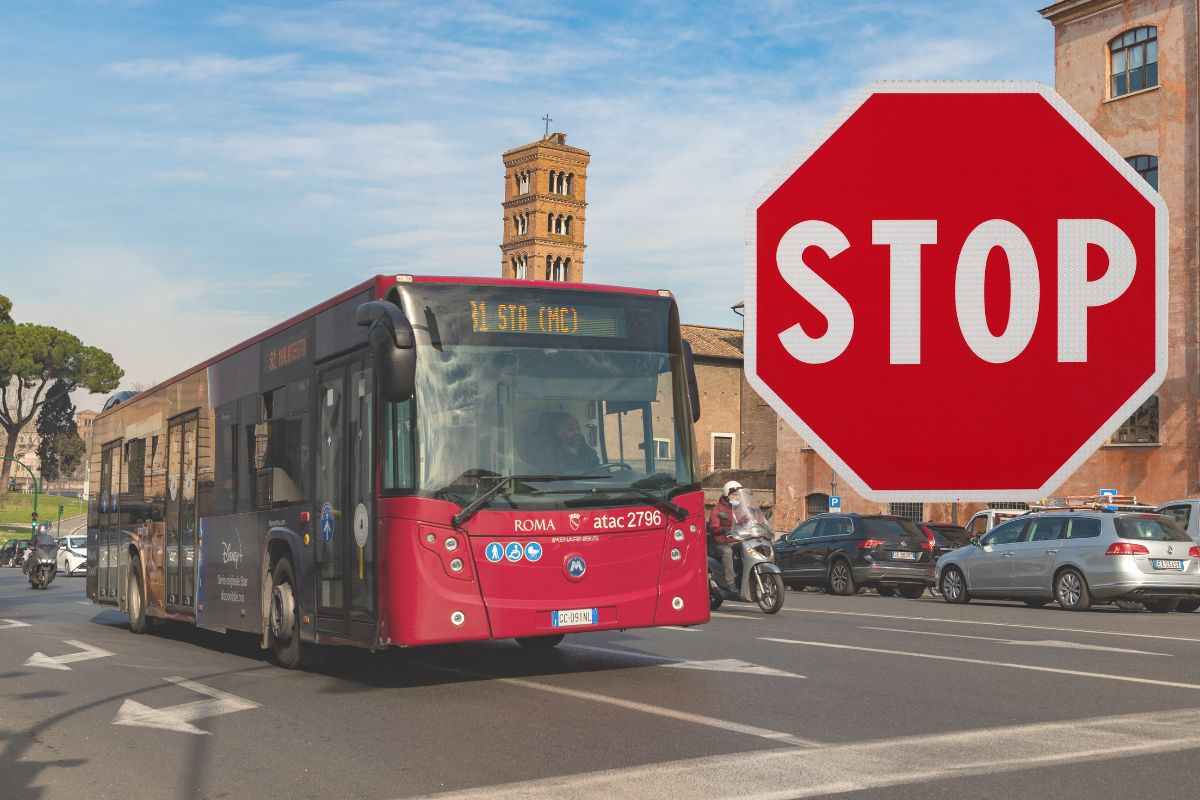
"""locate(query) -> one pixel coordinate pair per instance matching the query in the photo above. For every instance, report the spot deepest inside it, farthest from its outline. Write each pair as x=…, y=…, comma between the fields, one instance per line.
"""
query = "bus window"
x=277, y=446
x=398, y=434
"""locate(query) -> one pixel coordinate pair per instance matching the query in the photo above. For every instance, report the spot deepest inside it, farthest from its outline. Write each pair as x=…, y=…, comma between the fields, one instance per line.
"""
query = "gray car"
x=1078, y=558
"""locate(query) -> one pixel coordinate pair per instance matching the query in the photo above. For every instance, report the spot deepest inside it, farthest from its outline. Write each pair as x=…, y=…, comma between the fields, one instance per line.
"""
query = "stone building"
x=1130, y=68
x=545, y=197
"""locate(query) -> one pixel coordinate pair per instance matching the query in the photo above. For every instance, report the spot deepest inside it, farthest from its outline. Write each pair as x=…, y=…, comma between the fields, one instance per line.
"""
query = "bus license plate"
x=574, y=616
x=901, y=555
x=1167, y=563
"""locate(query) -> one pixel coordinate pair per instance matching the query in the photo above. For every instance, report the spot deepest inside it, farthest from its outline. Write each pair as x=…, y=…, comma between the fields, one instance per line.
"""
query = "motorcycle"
x=40, y=563
x=757, y=577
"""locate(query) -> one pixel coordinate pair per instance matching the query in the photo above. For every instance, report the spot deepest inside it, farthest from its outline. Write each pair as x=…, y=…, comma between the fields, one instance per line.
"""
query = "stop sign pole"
x=958, y=293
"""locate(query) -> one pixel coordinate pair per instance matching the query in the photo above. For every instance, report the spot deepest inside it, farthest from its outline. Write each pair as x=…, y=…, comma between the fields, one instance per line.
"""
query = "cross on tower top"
x=547, y=119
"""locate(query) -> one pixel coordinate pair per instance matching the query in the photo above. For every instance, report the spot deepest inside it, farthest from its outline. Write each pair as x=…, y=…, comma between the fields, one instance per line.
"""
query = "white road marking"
x=84, y=602
x=87, y=653
x=995, y=624
x=734, y=616
x=1023, y=642
x=712, y=665
x=984, y=662
x=179, y=718
x=679, y=628
x=12, y=623
x=776, y=774
x=644, y=708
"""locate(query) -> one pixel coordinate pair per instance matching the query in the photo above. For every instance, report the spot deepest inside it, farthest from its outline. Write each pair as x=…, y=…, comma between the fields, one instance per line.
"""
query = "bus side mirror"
x=689, y=365
x=390, y=335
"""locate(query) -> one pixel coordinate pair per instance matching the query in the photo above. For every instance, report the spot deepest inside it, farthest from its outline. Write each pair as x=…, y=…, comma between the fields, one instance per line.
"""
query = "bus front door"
x=344, y=507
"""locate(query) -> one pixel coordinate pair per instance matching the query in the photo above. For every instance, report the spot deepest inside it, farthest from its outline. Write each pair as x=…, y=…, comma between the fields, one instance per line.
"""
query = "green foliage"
x=40, y=363
x=59, y=447
x=16, y=508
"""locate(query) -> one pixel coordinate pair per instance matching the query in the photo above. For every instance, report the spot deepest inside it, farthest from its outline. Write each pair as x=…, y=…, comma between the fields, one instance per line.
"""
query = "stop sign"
x=959, y=294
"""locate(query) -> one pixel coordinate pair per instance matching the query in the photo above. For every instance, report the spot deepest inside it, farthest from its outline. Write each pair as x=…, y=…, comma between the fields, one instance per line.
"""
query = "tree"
x=59, y=446
x=38, y=364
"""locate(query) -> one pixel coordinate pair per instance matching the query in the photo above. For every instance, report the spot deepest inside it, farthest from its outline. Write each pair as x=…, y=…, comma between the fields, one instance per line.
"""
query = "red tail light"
x=1194, y=552
x=1127, y=549
x=869, y=544
x=929, y=540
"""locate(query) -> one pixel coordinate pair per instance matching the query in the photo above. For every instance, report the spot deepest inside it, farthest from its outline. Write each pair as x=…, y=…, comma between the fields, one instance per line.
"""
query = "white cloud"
x=201, y=68
x=181, y=175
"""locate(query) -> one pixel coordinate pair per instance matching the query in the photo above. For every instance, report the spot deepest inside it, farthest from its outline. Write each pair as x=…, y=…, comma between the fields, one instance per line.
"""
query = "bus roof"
x=380, y=284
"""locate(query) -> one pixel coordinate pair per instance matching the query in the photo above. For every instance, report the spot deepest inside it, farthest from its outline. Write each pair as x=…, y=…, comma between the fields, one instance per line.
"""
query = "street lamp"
x=32, y=477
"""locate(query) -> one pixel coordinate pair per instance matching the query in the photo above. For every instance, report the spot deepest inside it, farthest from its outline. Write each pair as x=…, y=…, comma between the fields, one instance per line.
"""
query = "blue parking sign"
x=835, y=503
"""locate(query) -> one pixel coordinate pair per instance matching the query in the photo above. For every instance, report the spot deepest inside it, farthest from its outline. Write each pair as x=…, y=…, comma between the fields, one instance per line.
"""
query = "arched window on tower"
x=549, y=267
x=559, y=272
x=549, y=223
x=520, y=267
x=571, y=184
x=566, y=268
x=553, y=178
x=567, y=226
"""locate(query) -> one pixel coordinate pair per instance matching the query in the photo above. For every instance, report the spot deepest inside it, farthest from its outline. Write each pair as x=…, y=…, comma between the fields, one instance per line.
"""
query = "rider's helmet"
x=730, y=487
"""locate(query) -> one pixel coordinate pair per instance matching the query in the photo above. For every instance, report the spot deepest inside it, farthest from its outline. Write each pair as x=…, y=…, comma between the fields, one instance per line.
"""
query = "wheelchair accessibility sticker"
x=513, y=551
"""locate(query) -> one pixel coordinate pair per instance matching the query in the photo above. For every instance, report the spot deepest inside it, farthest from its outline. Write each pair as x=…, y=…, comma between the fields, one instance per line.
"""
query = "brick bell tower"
x=545, y=191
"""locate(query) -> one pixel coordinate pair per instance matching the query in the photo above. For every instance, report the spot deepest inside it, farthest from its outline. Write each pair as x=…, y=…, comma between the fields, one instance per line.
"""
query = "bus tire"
x=540, y=642
x=282, y=620
x=135, y=598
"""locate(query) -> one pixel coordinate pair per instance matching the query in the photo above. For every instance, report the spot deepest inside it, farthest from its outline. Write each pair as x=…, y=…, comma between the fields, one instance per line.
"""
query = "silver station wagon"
x=1078, y=558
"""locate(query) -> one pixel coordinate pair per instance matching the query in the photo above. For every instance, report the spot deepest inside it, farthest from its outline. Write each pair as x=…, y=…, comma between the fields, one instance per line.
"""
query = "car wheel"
x=886, y=591
x=284, y=622
x=1188, y=606
x=1130, y=605
x=954, y=586
x=1160, y=606
x=913, y=592
x=841, y=578
x=540, y=642
x=135, y=599
x=1035, y=603
x=1071, y=591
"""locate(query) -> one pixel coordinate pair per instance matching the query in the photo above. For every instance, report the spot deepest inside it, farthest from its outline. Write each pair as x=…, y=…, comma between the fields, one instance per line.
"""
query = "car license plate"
x=1167, y=563
x=574, y=616
x=901, y=555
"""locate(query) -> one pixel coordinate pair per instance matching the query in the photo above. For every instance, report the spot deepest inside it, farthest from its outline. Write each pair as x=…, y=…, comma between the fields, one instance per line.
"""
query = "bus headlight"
x=456, y=564
x=678, y=535
x=451, y=544
x=677, y=603
x=457, y=618
x=675, y=554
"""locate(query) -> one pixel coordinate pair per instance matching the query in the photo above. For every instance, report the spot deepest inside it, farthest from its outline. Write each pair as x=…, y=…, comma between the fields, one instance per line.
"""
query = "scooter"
x=40, y=563
x=758, y=578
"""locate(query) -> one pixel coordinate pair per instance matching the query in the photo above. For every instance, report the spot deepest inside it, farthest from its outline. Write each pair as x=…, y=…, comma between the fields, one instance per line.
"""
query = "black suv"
x=846, y=552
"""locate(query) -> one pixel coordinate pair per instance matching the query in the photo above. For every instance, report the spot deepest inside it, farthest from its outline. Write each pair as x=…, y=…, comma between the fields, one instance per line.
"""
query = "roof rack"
x=1097, y=502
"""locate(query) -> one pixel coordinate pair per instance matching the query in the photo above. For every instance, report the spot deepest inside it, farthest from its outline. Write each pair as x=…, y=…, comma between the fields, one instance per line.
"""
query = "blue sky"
x=178, y=176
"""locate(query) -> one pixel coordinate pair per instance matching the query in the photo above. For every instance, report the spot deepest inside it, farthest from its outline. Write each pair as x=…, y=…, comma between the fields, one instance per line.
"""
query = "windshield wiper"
x=479, y=502
x=677, y=511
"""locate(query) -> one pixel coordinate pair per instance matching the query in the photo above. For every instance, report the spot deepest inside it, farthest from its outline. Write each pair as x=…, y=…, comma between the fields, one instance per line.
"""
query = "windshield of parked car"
x=1148, y=528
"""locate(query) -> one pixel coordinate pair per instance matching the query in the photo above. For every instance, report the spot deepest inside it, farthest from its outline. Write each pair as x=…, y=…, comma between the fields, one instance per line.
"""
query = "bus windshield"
x=601, y=421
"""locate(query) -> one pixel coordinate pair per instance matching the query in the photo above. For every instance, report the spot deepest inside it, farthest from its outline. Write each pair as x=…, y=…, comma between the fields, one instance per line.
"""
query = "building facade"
x=545, y=200
x=1129, y=67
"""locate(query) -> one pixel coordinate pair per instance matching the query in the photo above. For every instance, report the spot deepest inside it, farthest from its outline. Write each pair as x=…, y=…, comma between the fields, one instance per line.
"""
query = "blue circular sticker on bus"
x=513, y=551
x=327, y=522
x=494, y=552
x=533, y=552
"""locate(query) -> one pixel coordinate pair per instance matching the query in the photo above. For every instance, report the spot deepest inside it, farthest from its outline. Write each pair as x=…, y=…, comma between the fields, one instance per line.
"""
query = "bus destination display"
x=547, y=319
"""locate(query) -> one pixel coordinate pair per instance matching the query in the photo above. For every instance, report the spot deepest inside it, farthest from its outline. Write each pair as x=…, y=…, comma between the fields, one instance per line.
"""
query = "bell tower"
x=545, y=196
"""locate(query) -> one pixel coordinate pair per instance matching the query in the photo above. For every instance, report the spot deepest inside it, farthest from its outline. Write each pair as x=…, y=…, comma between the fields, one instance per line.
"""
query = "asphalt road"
x=866, y=697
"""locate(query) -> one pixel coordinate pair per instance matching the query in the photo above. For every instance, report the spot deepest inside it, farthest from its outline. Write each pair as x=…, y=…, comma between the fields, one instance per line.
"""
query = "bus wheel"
x=135, y=599
x=540, y=642
x=284, y=624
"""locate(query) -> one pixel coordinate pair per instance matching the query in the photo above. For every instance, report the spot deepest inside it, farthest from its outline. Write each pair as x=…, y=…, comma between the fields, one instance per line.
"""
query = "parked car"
x=1078, y=558
x=983, y=521
x=72, y=555
x=1186, y=513
x=946, y=537
x=848, y=552
x=12, y=552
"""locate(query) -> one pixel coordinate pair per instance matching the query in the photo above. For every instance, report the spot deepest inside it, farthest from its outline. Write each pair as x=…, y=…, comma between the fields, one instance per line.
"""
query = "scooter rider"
x=720, y=522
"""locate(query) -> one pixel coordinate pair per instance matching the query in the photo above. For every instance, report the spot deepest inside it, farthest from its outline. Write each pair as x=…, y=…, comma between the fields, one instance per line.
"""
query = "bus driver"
x=566, y=452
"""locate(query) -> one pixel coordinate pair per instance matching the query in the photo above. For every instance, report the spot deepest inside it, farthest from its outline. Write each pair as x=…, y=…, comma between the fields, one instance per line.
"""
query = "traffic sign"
x=959, y=294
x=835, y=503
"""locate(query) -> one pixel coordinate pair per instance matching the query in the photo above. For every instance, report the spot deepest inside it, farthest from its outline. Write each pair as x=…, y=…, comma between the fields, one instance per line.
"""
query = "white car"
x=72, y=555
x=1186, y=513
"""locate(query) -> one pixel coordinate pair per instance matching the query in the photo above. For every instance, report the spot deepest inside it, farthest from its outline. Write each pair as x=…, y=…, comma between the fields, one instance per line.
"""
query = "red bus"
x=417, y=460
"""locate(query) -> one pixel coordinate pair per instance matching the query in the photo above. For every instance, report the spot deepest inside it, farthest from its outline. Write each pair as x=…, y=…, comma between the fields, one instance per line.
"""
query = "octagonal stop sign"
x=959, y=294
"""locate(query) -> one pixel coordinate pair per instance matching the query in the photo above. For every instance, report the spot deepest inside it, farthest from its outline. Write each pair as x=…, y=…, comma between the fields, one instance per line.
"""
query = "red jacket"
x=720, y=519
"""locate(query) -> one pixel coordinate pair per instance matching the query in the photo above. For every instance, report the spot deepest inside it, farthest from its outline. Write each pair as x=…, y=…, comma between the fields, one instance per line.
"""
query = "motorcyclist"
x=41, y=546
x=720, y=523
